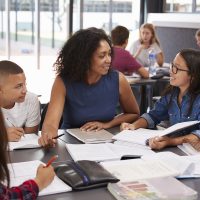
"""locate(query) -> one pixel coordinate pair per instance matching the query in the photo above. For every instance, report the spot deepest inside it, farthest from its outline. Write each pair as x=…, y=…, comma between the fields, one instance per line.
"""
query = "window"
x=182, y=6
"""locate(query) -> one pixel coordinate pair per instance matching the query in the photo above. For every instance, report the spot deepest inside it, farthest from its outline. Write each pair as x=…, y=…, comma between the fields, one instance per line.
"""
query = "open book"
x=28, y=141
x=141, y=135
x=106, y=151
x=138, y=169
x=91, y=136
x=187, y=166
x=156, y=165
x=20, y=172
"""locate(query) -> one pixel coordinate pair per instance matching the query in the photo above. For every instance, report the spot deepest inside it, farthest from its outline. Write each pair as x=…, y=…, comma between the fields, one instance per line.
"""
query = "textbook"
x=91, y=136
x=167, y=188
x=141, y=135
x=106, y=151
x=187, y=166
x=28, y=141
x=139, y=169
x=157, y=165
x=20, y=172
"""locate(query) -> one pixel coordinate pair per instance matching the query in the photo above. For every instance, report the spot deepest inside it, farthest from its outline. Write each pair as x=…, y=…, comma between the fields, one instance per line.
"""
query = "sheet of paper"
x=27, y=141
x=137, y=169
x=20, y=172
x=135, y=149
x=94, y=152
x=173, y=160
x=138, y=136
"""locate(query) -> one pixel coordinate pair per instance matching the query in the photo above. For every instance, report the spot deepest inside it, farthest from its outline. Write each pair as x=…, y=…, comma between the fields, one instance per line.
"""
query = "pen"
x=53, y=158
x=10, y=122
x=13, y=124
x=56, y=137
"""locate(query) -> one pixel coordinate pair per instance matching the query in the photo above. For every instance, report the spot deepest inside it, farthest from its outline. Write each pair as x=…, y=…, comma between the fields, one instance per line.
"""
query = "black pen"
x=56, y=137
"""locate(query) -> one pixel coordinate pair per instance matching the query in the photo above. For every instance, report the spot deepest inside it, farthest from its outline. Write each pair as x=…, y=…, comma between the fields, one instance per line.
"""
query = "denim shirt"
x=173, y=112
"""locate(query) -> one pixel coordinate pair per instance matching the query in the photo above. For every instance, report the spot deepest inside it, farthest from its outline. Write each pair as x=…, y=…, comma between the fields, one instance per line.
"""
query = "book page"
x=20, y=172
x=138, y=136
x=136, y=169
x=27, y=141
x=188, y=149
x=94, y=152
x=173, y=160
x=137, y=150
x=91, y=136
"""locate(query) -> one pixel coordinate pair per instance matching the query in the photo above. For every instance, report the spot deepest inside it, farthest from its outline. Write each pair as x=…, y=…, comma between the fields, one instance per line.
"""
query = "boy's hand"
x=14, y=134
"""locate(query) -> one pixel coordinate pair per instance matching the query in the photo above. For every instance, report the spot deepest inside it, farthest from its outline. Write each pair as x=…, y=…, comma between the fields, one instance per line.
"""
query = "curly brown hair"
x=74, y=59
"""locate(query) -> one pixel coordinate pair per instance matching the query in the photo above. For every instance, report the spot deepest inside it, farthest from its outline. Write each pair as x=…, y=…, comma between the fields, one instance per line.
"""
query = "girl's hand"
x=159, y=142
x=127, y=126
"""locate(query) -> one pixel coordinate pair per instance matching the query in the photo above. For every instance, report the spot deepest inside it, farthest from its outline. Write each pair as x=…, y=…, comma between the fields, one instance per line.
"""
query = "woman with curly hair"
x=86, y=91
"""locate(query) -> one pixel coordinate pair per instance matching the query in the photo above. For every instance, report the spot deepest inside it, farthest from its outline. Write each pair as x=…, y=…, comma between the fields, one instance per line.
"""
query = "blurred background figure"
x=147, y=43
x=197, y=37
x=122, y=60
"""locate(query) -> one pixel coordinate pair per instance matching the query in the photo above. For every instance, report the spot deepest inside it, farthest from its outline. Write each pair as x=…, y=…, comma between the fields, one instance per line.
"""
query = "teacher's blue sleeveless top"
x=85, y=103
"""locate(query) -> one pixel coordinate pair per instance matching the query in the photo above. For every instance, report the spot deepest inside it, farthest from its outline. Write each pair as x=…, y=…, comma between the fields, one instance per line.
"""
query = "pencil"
x=56, y=137
x=53, y=158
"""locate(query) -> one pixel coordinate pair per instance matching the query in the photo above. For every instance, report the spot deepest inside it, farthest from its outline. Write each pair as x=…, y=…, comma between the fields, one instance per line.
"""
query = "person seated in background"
x=180, y=103
x=86, y=91
x=197, y=37
x=122, y=60
x=21, y=109
x=147, y=42
x=29, y=189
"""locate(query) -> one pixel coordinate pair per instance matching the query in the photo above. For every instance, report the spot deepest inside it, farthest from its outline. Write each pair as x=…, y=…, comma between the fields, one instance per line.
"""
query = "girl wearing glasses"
x=180, y=103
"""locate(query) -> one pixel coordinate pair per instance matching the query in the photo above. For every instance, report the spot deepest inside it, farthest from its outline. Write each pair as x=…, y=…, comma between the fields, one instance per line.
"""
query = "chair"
x=44, y=109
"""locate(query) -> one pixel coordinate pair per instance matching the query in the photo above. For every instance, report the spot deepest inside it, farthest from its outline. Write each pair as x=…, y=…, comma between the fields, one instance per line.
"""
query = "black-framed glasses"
x=175, y=69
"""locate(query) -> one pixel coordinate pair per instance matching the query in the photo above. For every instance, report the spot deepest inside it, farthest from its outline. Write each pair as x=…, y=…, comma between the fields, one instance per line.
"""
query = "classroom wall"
x=175, y=31
x=173, y=39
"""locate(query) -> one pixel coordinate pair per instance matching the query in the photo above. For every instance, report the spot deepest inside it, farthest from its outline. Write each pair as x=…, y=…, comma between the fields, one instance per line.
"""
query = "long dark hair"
x=192, y=60
x=4, y=172
x=74, y=59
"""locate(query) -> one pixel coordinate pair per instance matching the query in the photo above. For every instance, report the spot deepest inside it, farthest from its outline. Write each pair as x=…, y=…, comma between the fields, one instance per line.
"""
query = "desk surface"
x=60, y=150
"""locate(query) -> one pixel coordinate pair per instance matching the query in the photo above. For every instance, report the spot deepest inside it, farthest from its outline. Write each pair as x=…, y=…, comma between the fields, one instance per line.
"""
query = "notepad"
x=105, y=151
x=20, y=172
x=91, y=136
x=29, y=141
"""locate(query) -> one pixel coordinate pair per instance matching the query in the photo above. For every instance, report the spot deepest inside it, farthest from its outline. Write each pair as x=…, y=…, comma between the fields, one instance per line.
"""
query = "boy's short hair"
x=8, y=67
x=119, y=35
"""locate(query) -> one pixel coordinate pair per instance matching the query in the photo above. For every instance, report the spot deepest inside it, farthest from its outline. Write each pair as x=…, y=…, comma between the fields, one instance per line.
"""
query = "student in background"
x=148, y=41
x=87, y=91
x=180, y=103
x=30, y=188
x=122, y=60
x=21, y=109
x=197, y=37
